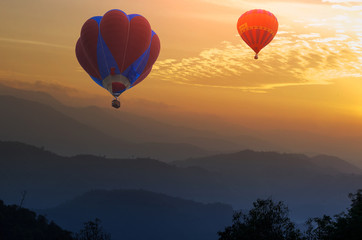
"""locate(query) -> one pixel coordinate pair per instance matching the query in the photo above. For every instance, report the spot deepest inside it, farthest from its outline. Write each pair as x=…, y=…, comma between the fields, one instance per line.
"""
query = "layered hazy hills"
x=42, y=125
x=310, y=187
x=307, y=184
x=50, y=179
x=156, y=135
x=265, y=163
x=139, y=214
x=157, y=125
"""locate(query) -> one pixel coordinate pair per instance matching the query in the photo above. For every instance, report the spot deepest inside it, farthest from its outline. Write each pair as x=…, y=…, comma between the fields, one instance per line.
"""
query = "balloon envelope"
x=257, y=28
x=117, y=50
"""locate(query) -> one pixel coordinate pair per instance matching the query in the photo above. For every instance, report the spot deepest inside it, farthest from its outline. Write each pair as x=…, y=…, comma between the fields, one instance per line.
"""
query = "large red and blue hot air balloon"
x=117, y=50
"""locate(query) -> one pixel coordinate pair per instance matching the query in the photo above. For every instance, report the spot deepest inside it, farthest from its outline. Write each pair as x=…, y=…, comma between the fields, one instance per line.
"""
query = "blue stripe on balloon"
x=132, y=16
x=96, y=80
x=134, y=71
x=97, y=19
x=105, y=58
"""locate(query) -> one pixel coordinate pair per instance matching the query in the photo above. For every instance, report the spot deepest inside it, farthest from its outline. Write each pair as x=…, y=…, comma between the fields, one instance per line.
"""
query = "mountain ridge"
x=230, y=160
x=42, y=125
x=50, y=179
x=136, y=128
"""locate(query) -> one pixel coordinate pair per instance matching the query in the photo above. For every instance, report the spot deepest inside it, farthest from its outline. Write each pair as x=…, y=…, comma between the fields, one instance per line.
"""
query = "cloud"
x=38, y=85
x=241, y=3
x=348, y=8
x=309, y=49
x=342, y=1
x=290, y=60
x=346, y=5
x=30, y=42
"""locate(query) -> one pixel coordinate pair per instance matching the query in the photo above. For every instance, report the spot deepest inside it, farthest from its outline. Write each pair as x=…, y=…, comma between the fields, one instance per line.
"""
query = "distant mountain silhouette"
x=50, y=179
x=42, y=125
x=307, y=184
x=35, y=96
x=238, y=179
x=336, y=164
x=252, y=162
x=139, y=214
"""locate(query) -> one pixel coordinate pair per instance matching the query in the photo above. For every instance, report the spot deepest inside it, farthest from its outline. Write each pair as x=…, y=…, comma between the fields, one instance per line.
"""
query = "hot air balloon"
x=117, y=50
x=257, y=28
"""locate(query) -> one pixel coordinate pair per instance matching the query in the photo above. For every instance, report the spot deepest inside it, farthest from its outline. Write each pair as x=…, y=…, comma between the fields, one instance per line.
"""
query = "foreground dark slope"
x=139, y=214
x=42, y=125
x=17, y=223
x=237, y=179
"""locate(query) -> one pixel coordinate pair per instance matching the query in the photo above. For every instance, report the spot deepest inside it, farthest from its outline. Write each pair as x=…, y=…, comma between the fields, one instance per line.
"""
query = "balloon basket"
x=116, y=104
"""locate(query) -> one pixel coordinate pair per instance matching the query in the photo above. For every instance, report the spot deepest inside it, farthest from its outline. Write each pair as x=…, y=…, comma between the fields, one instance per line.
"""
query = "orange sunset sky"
x=309, y=78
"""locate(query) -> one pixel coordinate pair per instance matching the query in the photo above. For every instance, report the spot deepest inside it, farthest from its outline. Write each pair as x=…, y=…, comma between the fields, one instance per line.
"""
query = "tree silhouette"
x=17, y=223
x=266, y=220
x=344, y=226
x=92, y=231
x=349, y=225
x=320, y=228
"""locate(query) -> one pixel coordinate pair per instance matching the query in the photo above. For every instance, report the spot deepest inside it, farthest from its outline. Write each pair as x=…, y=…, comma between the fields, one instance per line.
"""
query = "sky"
x=309, y=78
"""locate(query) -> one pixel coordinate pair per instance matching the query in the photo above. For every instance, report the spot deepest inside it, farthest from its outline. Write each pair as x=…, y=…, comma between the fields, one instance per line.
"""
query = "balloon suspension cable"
x=116, y=103
x=256, y=56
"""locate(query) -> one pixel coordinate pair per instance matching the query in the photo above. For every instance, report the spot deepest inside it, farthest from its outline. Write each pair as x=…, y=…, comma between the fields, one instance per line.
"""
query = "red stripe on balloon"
x=257, y=33
x=86, y=48
x=253, y=42
x=268, y=39
x=246, y=39
x=115, y=30
x=82, y=59
x=139, y=39
x=263, y=38
x=154, y=52
x=251, y=37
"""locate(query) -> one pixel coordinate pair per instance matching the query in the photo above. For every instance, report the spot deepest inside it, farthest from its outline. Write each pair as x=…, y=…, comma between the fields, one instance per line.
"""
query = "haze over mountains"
x=60, y=154
x=93, y=130
x=141, y=130
x=42, y=125
x=308, y=187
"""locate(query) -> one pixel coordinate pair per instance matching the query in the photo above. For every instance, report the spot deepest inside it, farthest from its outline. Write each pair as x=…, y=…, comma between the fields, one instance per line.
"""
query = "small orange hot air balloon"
x=257, y=28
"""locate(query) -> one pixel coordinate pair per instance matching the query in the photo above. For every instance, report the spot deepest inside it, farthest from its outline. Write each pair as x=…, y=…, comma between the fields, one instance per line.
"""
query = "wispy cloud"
x=342, y=1
x=36, y=85
x=31, y=42
x=319, y=49
x=345, y=5
x=348, y=8
x=245, y=4
x=290, y=60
